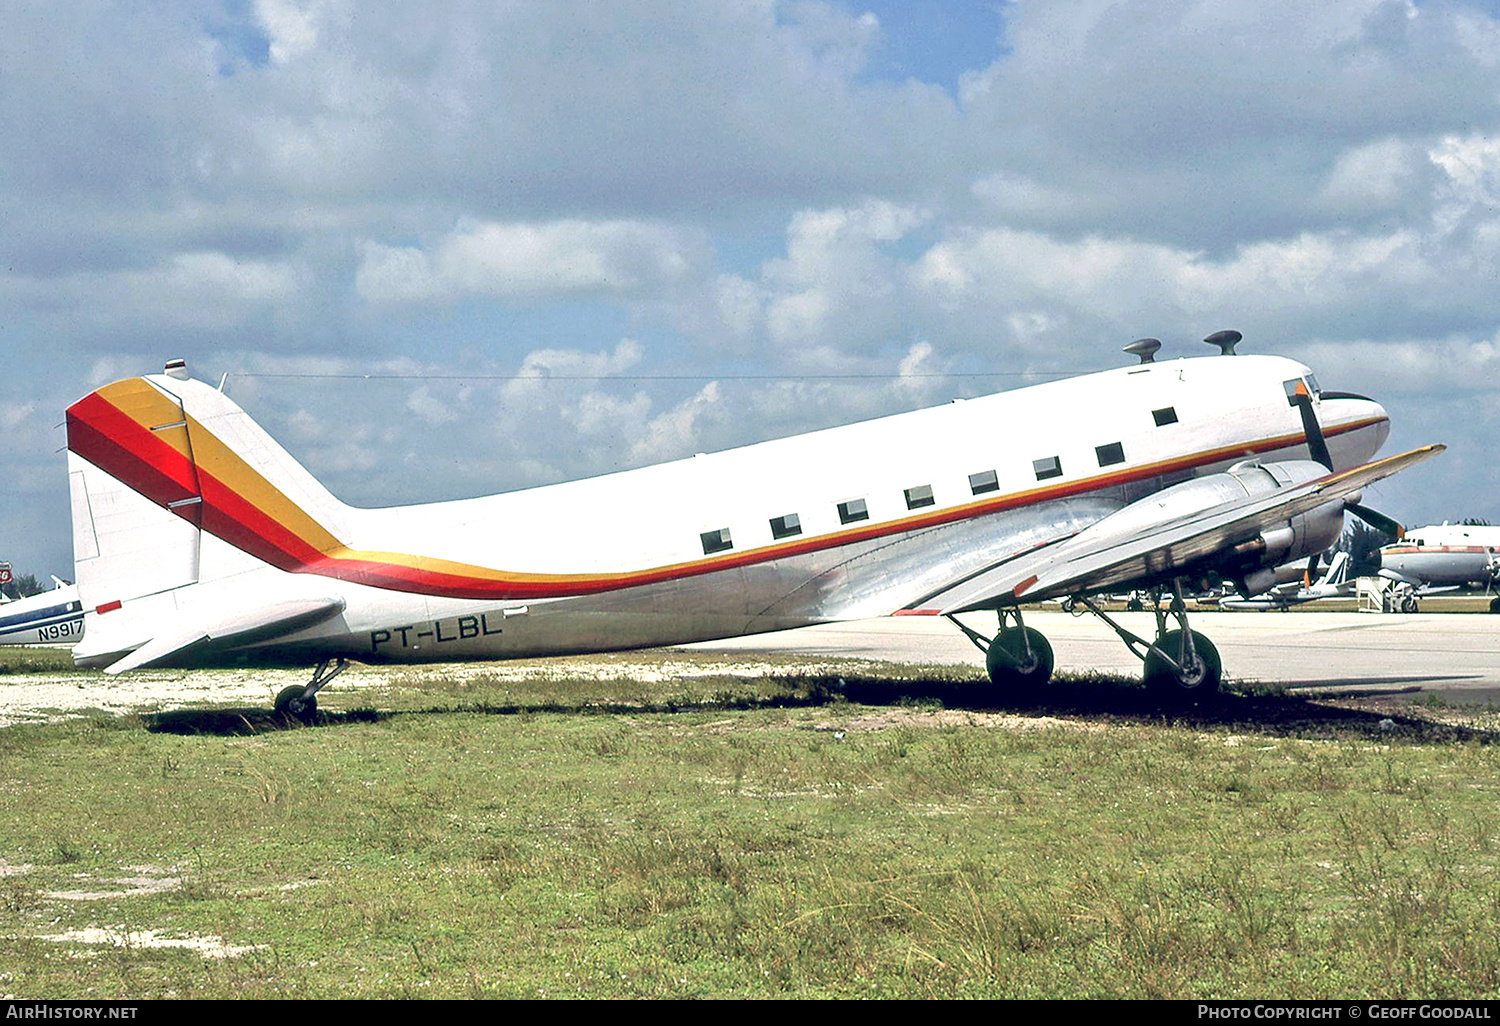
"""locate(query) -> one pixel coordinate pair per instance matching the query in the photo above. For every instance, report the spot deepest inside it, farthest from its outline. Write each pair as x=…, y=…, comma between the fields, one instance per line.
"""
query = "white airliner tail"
x=173, y=485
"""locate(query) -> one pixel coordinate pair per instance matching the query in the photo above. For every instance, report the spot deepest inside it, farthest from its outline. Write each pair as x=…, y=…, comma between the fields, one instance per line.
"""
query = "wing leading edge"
x=1101, y=557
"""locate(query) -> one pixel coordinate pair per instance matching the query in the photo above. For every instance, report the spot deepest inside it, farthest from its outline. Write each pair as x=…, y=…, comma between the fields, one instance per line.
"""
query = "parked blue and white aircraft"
x=49, y=618
x=198, y=539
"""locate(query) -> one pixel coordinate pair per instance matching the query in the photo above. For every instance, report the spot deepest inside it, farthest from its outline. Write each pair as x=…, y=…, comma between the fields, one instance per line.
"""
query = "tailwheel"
x=1019, y=659
x=295, y=702
x=1175, y=671
x=300, y=701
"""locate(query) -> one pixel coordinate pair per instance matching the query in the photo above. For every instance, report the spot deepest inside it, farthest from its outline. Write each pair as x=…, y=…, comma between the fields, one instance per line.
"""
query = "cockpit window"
x=1309, y=384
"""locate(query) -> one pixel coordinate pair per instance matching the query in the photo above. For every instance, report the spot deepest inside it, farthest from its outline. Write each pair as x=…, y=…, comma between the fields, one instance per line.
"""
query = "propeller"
x=1377, y=520
x=1317, y=445
x=1317, y=448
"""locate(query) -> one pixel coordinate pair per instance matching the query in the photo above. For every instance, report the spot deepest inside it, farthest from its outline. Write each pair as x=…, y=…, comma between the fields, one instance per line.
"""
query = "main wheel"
x=290, y=702
x=1197, y=681
x=1019, y=662
x=1495, y=604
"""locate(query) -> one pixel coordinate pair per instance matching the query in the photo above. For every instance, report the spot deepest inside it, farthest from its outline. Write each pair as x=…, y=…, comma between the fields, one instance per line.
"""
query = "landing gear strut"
x=1018, y=658
x=1180, y=664
x=300, y=700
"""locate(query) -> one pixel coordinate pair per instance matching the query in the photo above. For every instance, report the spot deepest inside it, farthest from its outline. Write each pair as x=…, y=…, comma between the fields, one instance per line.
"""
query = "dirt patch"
x=120, y=937
x=885, y=719
x=45, y=698
x=151, y=880
x=49, y=697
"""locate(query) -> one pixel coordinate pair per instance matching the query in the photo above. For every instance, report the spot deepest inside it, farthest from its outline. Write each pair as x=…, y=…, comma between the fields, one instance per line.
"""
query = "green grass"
x=855, y=832
x=27, y=659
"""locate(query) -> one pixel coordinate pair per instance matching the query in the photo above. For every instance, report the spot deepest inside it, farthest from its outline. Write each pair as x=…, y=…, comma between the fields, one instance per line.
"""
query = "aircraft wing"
x=1094, y=560
x=231, y=627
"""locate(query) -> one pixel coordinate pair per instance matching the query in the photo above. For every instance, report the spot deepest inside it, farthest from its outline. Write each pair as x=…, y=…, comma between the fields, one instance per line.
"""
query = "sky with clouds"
x=450, y=249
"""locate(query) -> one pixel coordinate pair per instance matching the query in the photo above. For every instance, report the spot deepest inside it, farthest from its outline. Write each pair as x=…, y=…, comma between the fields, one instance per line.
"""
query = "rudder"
x=157, y=464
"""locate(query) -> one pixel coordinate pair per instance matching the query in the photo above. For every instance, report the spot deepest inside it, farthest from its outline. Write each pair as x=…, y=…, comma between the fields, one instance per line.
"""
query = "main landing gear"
x=1180, y=665
x=1018, y=658
x=300, y=700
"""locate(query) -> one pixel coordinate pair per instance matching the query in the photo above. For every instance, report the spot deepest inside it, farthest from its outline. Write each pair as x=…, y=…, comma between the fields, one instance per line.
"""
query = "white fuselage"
x=856, y=521
x=1444, y=554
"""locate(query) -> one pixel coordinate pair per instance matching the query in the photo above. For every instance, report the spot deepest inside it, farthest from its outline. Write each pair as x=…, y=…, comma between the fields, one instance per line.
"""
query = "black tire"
x=1495, y=604
x=1201, y=684
x=290, y=702
x=1009, y=665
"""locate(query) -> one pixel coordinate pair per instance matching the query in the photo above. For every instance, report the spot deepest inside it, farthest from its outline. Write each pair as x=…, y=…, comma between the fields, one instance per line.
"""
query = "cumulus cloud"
x=291, y=28
x=525, y=260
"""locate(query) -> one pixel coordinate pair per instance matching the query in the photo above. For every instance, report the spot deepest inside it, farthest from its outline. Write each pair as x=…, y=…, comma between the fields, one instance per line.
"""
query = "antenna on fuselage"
x=1225, y=340
x=1145, y=348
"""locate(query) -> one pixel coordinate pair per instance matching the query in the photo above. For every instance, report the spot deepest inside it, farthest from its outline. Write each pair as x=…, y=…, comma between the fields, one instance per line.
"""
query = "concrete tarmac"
x=1457, y=655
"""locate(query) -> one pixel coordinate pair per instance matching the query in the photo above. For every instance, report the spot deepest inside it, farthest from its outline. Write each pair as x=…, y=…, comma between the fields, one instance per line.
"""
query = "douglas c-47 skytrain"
x=198, y=539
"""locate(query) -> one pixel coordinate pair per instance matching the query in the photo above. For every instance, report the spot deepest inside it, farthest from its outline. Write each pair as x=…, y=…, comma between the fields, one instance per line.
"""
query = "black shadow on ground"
x=1316, y=715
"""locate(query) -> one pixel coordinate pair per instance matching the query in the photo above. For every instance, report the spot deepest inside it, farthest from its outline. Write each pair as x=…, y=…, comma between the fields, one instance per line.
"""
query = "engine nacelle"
x=1252, y=562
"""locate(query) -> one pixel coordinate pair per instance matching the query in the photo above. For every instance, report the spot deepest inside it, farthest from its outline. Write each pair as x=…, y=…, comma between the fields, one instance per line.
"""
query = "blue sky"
x=745, y=196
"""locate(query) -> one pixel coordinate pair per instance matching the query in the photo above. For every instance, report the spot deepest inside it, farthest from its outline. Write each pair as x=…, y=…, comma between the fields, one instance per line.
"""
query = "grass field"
x=684, y=826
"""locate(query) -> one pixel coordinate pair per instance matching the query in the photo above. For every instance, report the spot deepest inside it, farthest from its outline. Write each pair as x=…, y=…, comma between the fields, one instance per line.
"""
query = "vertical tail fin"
x=1338, y=569
x=156, y=464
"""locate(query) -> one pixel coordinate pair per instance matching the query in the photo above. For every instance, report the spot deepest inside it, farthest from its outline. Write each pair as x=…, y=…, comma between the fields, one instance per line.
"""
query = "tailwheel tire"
x=1198, y=682
x=291, y=702
x=1012, y=667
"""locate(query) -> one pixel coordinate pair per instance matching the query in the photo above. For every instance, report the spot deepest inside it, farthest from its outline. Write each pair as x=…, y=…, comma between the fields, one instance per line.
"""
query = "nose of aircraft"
x=1356, y=426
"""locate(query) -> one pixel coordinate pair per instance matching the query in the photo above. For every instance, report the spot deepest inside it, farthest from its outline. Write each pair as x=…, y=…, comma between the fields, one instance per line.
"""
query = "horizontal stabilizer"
x=231, y=629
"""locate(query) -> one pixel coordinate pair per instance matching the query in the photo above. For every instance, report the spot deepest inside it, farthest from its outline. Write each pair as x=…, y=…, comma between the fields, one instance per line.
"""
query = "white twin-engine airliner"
x=198, y=539
x=1444, y=557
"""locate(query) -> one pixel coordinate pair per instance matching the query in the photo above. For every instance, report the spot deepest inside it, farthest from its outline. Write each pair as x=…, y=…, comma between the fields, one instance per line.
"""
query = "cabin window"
x=1110, y=454
x=1163, y=417
x=716, y=541
x=785, y=527
x=1051, y=466
x=919, y=496
x=985, y=481
x=854, y=509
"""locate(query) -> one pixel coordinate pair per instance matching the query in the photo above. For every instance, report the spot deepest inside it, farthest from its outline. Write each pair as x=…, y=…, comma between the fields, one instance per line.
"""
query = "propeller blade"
x=1377, y=520
x=1317, y=445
